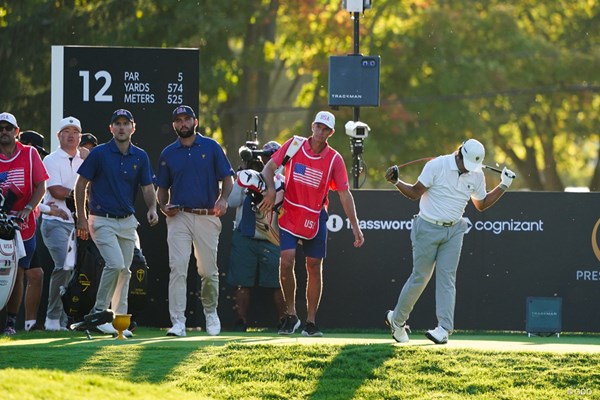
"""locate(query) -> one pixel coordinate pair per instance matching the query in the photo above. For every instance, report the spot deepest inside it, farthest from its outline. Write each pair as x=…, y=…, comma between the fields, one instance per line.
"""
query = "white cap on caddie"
x=473, y=153
x=8, y=117
x=326, y=118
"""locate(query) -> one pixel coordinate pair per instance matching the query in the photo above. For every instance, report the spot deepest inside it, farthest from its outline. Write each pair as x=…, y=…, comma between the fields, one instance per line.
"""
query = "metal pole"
x=356, y=110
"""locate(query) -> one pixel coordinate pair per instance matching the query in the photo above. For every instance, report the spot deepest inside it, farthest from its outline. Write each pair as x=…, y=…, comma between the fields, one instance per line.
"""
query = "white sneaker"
x=399, y=333
x=176, y=330
x=438, y=335
x=53, y=325
x=127, y=333
x=213, y=324
x=107, y=328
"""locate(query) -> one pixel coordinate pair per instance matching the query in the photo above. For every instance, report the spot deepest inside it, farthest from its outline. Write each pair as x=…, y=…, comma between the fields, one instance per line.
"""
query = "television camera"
x=250, y=152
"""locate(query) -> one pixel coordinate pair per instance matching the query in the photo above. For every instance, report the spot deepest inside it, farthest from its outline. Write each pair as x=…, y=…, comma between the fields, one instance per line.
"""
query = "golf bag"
x=11, y=250
x=138, y=285
x=80, y=294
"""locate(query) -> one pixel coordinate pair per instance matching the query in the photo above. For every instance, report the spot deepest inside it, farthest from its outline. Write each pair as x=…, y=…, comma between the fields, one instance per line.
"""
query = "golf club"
x=492, y=168
x=497, y=170
x=431, y=158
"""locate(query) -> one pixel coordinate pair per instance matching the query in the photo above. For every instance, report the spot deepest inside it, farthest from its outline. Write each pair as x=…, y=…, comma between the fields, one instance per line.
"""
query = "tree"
x=521, y=77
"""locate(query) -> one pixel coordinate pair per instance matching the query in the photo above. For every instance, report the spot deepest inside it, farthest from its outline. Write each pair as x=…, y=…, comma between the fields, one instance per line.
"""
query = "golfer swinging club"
x=445, y=186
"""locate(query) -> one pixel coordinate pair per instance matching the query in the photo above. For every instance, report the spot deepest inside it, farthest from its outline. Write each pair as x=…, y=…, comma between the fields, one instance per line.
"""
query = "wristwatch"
x=28, y=207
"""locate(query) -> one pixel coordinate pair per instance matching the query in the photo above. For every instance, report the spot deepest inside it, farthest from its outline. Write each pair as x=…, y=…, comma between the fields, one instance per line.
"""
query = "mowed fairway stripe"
x=483, y=342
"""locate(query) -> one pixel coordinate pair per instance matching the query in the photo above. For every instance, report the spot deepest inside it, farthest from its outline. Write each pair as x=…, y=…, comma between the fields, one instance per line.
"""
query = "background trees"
x=521, y=77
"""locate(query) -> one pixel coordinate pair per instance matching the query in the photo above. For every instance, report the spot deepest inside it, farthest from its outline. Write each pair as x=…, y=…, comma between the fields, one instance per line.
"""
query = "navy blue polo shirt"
x=115, y=177
x=193, y=173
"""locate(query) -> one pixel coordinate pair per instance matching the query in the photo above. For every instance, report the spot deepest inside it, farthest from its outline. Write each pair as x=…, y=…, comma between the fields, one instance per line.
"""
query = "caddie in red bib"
x=22, y=177
x=312, y=168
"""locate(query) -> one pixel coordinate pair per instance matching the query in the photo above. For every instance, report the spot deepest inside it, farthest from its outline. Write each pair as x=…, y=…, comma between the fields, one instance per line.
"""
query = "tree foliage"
x=523, y=77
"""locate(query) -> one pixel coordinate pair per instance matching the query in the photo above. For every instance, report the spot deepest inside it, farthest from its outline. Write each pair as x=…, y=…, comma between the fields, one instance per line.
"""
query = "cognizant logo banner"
x=498, y=227
x=335, y=223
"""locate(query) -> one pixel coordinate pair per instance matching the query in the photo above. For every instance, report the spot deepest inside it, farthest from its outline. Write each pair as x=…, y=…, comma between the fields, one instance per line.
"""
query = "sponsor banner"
x=529, y=244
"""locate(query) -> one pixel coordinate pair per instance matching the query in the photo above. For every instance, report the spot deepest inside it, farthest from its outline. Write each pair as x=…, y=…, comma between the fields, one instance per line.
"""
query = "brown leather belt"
x=198, y=211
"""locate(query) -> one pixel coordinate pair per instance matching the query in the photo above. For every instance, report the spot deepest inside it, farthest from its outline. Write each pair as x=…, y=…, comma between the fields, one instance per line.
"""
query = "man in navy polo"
x=188, y=193
x=116, y=169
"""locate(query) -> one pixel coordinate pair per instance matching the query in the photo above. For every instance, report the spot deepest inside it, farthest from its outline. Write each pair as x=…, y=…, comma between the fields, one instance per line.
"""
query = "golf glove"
x=392, y=175
x=507, y=178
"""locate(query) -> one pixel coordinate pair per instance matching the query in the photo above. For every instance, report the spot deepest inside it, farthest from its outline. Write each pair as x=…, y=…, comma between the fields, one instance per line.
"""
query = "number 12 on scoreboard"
x=100, y=95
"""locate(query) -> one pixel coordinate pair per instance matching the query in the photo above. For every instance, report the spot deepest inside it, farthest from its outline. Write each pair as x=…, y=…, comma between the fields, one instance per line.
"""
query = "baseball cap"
x=33, y=139
x=473, y=153
x=121, y=112
x=8, y=117
x=327, y=118
x=69, y=121
x=88, y=138
x=271, y=147
x=187, y=110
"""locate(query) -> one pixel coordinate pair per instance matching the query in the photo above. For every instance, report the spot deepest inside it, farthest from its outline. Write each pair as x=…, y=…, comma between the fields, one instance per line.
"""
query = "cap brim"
x=187, y=114
x=472, y=167
x=321, y=122
x=70, y=125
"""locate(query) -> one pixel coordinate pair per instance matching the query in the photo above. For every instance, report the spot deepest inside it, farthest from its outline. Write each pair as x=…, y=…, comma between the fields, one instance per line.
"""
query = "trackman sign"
x=335, y=223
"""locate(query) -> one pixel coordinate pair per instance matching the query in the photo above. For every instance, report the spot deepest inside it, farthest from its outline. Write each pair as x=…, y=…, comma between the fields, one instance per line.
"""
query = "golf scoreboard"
x=90, y=83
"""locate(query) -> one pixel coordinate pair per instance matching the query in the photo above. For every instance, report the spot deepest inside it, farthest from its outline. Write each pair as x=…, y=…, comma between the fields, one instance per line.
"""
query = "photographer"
x=253, y=258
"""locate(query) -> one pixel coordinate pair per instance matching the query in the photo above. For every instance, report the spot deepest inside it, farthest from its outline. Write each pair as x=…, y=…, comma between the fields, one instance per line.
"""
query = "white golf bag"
x=267, y=226
x=11, y=250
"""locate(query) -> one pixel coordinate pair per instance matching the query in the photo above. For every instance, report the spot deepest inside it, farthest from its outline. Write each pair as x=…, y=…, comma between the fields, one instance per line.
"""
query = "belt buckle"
x=447, y=224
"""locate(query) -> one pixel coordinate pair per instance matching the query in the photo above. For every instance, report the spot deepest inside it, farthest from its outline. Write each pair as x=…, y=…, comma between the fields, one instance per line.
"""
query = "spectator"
x=198, y=162
x=88, y=141
x=62, y=165
x=253, y=259
x=22, y=176
x=309, y=175
x=115, y=170
x=35, y=274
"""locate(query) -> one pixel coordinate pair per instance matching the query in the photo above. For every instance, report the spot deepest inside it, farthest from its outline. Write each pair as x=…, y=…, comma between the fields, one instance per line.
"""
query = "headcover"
x=255, y=185
x=266, y=225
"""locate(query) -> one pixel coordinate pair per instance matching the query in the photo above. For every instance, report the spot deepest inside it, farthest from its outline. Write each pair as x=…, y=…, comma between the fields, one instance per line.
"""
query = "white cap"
x=69, y=121
x=473, y=153
x=8, y=117
x=326, y=118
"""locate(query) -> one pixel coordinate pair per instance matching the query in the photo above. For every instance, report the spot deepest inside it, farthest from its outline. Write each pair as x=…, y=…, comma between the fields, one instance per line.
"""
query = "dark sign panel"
x=89, y=83
x=354, y=81
x=530, y=244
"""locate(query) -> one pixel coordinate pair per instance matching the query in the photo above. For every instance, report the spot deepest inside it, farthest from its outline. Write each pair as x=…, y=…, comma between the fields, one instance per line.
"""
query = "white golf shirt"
x=448, y=191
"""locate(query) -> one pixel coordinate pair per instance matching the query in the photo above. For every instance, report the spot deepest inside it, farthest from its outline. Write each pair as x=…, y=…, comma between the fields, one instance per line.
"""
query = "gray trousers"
x=434, y=247
x=115, y=239
x=55, y=234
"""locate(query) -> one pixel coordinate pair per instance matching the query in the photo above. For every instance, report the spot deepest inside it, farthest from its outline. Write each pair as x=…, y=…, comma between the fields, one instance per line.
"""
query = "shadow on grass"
x=347, y=372
x=145, y=358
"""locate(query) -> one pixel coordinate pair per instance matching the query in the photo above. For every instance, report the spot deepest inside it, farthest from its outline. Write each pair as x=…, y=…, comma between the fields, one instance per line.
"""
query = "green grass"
x=261, y=365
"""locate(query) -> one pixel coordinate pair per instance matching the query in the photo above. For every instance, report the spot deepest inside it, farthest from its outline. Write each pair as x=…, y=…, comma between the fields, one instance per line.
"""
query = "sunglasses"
x=7, y=128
